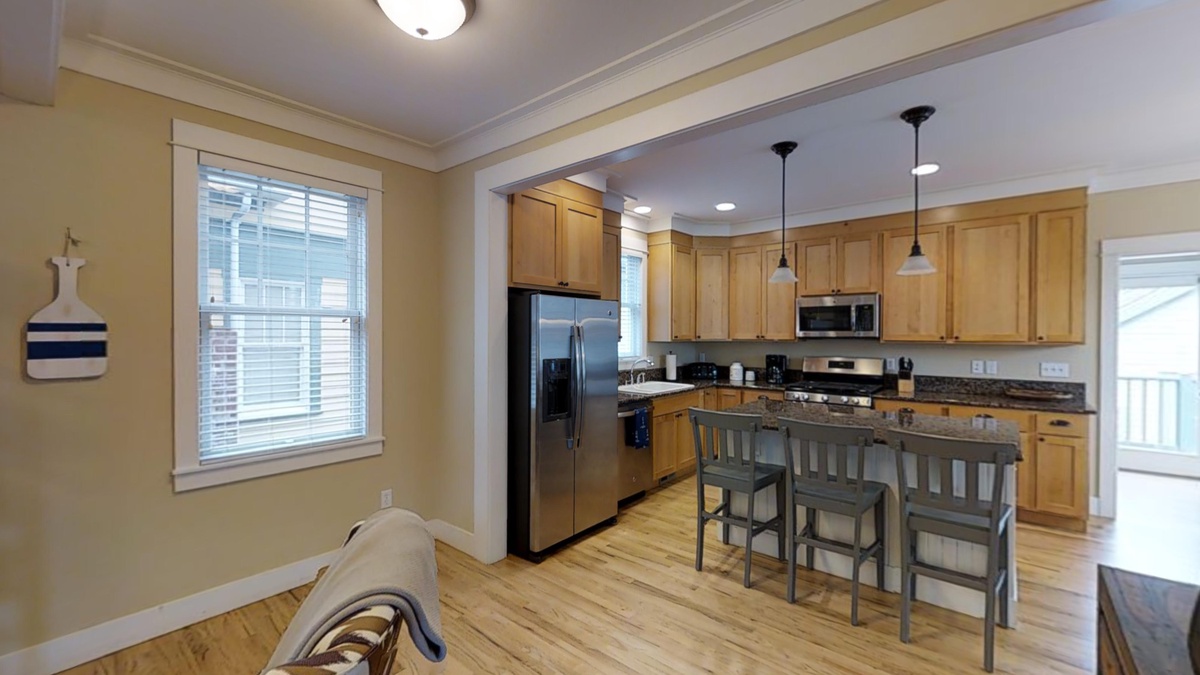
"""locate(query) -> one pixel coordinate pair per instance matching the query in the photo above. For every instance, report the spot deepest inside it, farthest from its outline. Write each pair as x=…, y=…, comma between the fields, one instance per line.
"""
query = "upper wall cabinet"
x=712, y=293
x=990, y=280
x=778, y=300
x=610, y=270
x=843, y=264
x=556, y=238
x=758, y=309
x=914, y=307
x=1059, y=276
x=671, y=310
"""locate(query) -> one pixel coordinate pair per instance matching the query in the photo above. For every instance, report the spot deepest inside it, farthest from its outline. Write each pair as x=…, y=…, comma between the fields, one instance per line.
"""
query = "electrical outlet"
x=976, y=367
x=993, y=368
x=385, y=499
x=702, y=359
x=891, y=366
x=1050, y=369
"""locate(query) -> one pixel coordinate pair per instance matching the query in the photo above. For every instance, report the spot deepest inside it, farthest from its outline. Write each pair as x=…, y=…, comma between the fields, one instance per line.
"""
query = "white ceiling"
x=346, y=58
x=1114, y=96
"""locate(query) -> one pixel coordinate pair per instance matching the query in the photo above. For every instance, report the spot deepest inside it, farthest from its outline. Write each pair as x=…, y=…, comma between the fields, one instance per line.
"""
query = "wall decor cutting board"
x=66, y=339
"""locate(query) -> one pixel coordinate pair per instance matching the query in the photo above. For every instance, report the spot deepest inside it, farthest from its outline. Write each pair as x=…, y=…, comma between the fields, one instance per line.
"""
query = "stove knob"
x=803, y=397
x=854, y=401
x=824, y=398
x=846, y=399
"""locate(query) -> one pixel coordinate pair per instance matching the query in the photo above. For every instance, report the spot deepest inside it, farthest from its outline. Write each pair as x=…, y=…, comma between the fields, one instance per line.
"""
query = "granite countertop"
x=623, y=398
x=881, y=423
x=990, y=400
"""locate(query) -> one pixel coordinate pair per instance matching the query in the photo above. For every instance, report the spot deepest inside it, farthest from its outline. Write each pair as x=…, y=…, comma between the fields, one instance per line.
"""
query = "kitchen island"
x=881, y=466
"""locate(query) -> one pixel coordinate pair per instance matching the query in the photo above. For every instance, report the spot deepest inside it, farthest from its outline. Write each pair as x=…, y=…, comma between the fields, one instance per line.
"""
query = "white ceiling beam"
x=30, y=31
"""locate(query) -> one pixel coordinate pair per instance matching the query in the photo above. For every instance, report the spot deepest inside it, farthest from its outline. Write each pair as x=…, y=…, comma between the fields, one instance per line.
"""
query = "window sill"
x=234, y=470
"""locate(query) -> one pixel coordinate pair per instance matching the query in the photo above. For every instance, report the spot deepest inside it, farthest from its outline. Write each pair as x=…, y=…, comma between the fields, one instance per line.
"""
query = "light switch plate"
x=992, y=368
x=890, y=365
x=976, y=367
x=1052, y=369
x=385, y=499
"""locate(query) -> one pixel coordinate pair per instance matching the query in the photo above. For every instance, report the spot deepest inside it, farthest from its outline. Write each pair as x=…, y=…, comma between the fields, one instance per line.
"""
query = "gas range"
x=837, y=381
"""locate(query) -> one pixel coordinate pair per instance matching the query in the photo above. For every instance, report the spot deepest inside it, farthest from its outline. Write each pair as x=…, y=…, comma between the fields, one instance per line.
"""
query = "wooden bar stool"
x=819, y=484
x=974, y=512
x=724, y=459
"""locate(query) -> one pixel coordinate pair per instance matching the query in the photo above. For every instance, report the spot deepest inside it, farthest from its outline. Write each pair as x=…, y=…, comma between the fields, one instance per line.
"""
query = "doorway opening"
x=1150, y=411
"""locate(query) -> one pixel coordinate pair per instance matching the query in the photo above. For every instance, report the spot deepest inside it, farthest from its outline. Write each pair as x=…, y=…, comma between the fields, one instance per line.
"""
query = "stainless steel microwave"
x=838, y=316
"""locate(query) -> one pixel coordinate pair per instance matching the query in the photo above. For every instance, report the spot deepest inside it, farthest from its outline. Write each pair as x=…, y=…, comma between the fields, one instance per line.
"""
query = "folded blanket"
x=388, y=561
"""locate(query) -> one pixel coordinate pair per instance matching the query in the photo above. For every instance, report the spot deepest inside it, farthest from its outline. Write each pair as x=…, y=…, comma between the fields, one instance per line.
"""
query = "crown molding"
x=116, y=63
x=762, y=29
x=1146, y=177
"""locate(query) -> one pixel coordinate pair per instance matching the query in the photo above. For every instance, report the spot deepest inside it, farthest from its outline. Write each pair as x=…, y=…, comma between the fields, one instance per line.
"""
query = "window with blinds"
x=282, y=300
x=633, y=305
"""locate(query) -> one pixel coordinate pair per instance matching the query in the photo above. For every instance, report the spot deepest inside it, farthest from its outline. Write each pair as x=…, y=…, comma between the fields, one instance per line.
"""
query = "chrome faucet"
x=641, y=377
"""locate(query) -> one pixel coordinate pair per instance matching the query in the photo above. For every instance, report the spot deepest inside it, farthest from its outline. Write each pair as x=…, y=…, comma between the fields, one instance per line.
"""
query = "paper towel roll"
x=672, y=361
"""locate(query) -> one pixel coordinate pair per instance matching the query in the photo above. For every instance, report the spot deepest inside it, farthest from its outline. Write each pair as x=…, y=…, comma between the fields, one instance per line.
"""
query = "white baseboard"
x=450, y=534
x=1094, y=506
x=92, y=643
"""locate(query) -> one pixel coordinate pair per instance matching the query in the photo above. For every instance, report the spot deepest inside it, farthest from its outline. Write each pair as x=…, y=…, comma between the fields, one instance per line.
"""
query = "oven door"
x=838, y=316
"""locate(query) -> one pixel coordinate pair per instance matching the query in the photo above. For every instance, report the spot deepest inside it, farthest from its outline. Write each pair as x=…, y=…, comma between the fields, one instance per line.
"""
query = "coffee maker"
x=776, y=368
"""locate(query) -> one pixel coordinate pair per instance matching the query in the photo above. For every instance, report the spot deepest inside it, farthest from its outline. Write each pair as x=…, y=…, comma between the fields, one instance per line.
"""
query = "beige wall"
x=90, y=528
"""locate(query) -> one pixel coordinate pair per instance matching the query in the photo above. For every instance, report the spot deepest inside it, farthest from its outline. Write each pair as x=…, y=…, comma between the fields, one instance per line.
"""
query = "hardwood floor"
x=627, y=600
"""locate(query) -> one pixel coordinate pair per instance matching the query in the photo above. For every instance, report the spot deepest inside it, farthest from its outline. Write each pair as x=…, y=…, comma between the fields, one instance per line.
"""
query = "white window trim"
x=189, y=141
x=626, y=362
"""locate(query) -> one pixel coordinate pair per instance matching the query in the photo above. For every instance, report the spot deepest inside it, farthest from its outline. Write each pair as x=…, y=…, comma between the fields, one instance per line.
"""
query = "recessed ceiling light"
x=642, y=209
x=926, y=169
x=428, y=19
x=726, y=206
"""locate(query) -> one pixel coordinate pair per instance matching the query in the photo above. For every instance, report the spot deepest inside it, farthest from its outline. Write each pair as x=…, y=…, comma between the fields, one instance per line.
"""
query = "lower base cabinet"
x=671, y=434
x=1052, y=479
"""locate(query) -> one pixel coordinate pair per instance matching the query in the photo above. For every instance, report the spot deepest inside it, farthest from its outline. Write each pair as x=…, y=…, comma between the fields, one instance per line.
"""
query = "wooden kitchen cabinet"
x=816, y=266
x=778, y=300
x=556, y=238
x=672, y=288
x=837, y=265
x=858, y=264
x=671, y=436
x=1062, y=476
x=662, y=433
x=728, y=398
x=1053, y=488
x=712, y=294
x=745, y=293
x=610, y=274
x=990, y=280
x=1059, y=277
x=914, y=307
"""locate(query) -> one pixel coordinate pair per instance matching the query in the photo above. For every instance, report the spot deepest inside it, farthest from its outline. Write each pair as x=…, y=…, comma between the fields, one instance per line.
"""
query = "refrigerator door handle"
x=577, y=398
x=582, y=385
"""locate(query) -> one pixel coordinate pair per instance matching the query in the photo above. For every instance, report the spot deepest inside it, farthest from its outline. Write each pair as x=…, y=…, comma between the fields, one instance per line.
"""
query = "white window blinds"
x=633, y=308
x=282, y=298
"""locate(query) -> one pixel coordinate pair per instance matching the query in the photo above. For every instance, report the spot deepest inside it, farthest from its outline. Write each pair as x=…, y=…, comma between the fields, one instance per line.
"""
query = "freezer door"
x=596, y=454
x=552, y=461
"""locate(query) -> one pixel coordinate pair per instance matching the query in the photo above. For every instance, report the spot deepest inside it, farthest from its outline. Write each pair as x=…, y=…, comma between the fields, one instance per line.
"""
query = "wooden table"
x=1143, y=624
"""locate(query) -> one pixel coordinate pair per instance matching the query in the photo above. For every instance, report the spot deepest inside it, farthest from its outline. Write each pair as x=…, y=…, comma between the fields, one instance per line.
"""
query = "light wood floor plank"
x=627, y=600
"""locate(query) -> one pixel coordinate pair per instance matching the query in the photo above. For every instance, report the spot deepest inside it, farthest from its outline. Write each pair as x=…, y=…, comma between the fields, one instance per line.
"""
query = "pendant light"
x=783, y=274
x=428, y=19
x=917, y=263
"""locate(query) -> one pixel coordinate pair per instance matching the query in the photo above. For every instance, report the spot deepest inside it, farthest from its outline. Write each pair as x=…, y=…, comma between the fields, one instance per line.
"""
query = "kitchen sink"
x=647, y=388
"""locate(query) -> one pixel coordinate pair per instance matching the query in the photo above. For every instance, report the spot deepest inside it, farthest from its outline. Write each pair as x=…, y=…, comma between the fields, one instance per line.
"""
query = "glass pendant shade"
x=428, y=19
x=783, y=274
x=916, y=265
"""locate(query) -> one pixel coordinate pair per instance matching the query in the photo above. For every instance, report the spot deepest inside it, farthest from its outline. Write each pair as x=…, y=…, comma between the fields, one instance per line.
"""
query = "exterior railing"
x=1157, y=413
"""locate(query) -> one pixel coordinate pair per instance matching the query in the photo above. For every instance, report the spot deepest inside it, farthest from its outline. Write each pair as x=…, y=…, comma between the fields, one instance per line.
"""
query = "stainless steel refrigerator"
x=562, y=440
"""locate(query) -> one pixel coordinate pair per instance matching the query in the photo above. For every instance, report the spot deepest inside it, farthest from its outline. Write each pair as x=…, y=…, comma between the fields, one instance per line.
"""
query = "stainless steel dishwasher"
x=635, y=467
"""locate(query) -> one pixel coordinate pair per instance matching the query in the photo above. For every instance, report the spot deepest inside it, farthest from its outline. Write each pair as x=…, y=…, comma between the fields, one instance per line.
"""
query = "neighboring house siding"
x=1165, y=340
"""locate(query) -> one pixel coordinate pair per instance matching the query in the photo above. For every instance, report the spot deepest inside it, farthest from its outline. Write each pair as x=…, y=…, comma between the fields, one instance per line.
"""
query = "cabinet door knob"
x=956, y=337
x=941, y=337
x=1041, y=337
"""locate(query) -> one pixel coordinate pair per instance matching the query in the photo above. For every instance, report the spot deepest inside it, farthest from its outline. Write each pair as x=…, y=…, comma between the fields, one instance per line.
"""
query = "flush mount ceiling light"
x=428, y=19
x=916, y=263
x=783, y=274
x=926, y=169
x=725, y=206
x=643, y=210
